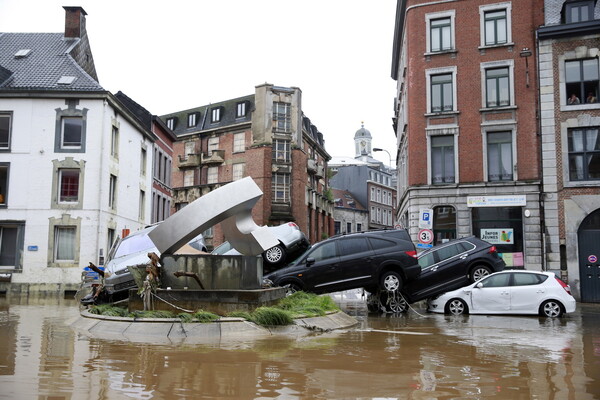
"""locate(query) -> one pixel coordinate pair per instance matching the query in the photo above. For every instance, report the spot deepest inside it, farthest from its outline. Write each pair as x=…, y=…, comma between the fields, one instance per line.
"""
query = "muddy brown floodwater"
x=392, y=357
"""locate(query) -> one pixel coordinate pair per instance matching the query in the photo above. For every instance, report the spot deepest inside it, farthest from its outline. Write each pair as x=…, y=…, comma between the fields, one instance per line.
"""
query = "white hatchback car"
x=509, y=292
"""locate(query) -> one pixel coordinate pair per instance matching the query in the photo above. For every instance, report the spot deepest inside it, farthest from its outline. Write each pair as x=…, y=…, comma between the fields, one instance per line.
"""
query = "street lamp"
x=388, y=153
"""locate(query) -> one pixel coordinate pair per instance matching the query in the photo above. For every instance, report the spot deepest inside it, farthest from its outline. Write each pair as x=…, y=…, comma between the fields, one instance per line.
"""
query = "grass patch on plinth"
x=299, y=304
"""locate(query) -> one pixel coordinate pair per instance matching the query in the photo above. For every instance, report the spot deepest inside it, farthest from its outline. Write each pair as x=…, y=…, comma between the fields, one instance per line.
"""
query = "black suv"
x=373, y=260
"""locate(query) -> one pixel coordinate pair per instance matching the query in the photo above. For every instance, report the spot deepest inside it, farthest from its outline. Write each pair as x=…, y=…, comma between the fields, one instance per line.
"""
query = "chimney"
x=74, y=22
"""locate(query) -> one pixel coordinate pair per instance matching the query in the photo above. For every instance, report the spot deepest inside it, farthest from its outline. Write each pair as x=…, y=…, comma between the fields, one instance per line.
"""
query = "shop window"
x=584, y=154
x=444, y=224
x=502, y=227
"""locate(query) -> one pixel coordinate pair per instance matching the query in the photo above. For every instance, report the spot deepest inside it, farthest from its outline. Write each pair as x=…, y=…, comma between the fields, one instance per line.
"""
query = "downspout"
x=540, y=148
x=100, y=189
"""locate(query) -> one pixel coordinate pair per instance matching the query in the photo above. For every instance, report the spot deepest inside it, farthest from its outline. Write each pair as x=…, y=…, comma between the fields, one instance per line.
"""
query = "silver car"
x=292, y=242
x=133, y=250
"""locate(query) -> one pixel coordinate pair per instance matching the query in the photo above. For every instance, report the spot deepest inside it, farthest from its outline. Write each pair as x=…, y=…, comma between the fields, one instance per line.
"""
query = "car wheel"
x=480, y=271
x=291, y=288
x=393, y=302
x=391, y=281
x=274, y=255
x=457, y=307
x=551, y=308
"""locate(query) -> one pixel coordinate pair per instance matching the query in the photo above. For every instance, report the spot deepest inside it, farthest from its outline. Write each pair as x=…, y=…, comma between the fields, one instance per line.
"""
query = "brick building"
x=465, y=122
x=569, y=50
x=265, y=136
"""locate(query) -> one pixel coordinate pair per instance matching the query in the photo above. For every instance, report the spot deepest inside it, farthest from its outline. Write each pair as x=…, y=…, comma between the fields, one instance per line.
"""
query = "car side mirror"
x=479, y=285
x=310, y=261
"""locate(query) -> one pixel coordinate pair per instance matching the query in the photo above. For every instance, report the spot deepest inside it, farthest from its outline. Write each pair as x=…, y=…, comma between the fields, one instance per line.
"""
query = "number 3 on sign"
x=425, y=236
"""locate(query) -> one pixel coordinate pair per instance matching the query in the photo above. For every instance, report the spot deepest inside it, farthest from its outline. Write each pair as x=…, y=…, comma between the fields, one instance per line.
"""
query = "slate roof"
x=345, y=199
x=203, y=118
x=41, y=69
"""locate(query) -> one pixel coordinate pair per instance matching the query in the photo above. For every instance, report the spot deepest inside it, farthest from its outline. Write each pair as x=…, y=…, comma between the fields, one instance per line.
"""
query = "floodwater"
x=393, y=357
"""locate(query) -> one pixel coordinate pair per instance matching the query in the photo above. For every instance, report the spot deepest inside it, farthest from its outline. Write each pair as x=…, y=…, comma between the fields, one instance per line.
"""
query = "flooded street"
x=395, y=357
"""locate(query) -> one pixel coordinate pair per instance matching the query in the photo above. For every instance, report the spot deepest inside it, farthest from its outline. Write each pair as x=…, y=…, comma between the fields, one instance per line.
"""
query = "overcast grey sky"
x=174, y=55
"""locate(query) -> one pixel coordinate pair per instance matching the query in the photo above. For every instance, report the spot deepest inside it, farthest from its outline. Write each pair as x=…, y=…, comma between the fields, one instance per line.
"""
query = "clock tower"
x=362, y=142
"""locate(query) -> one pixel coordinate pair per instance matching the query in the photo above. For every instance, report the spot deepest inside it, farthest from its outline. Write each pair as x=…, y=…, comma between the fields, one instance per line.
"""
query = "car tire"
x=391, y=281
x=551, y=309
x=291, y=288
x=456, y=307
x=478, y=272
x=393, y=302
x=274, y=255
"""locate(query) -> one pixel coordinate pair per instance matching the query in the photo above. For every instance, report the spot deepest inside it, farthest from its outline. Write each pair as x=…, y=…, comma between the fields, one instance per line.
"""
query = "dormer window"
x=241, y=110
x=215, y=115
x=579, y=11
x=66, y=80
x=171, y=123
x=192, y=120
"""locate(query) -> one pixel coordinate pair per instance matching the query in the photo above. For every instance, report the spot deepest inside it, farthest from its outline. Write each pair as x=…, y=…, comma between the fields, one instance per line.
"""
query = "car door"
x=322, y=267
x=527, y=293
x=441, y=271
x=492, y=295
x=356, y=262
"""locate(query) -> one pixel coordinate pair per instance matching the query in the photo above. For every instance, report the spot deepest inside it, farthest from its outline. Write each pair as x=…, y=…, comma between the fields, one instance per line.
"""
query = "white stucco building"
x=75, y=164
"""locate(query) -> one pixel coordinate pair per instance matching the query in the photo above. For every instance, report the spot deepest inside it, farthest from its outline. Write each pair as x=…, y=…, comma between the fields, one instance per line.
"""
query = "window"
x=579, y=11
x=240, y=110
x=358, y=227
x=495, y=27
x=188, y=177
x=281, y=151
x=5, y=120
x=64, y=243
x=282, y=116
x=373, y=216
x=142, y=211
x=440, y=31
x=441, y=93
x=9, y=238
x=143, y=161
x=324, y=252
x=188, y=149
x=215, y=115
x=495, y=24
x=337, y=227
x=581, y=78
x=499, y=156
x=213, y=144
x=239, y=142
x=71, y=133
x=114, y=142
x=238, y=171
x=527, y=279
x=4, y=168
x=213, y=175
x=442, y=159
x=349, y=246
x=584, y=154
x=171, y=123
x=68, y=186
x=110, y=238
x=444, y=224
x=372, y=194
x=112, y=192
x=281, y=188
x=192, y=119
x=348, y=229
x=496, y=281
x=497, y=87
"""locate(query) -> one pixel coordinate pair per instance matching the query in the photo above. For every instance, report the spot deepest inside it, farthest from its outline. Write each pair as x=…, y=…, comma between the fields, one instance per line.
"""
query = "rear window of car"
x=378, y=244
x=353, y=245
x=528, y=279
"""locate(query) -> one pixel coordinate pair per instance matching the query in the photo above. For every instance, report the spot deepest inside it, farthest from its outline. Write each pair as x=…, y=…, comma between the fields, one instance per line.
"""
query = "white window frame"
x=143, y=161
x=171, y=123
x=439, y=15
x=499, y=128
x=112, y=192
x=60, y=184
x=238, y=171
x=240, y=109
x=215, y=115
x=62, y=133
x=507, y=6
x=239, y=142
x=188, y=177
x=192, y=120
x=142, y=212
x=8, y=116
x=212, y=175
x=213, y=144
x=114, y=142
x=281, y=185
x=511, y=81
x=57, y=243
x=440, y=71
x=429, y=158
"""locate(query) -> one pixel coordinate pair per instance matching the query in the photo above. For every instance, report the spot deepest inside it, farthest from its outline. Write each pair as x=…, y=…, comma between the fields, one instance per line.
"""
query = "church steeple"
x=362, y=142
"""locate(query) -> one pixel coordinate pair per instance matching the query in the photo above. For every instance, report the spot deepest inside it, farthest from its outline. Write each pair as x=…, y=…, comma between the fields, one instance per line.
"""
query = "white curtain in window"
x=65, y=243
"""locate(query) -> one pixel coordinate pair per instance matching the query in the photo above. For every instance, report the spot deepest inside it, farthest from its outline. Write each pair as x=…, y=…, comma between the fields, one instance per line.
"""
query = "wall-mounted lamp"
x=526, y=53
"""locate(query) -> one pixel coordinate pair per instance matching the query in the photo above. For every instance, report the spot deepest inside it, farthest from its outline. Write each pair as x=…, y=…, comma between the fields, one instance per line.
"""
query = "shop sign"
x=497, y=236
x=496, y=201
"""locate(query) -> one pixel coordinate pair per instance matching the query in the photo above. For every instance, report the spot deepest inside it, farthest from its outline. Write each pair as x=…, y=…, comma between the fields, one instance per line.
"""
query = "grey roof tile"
x=42, y=68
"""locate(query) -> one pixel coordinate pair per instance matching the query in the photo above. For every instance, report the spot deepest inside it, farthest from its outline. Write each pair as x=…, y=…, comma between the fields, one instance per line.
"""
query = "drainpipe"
x=541, y=162
x=100, y=189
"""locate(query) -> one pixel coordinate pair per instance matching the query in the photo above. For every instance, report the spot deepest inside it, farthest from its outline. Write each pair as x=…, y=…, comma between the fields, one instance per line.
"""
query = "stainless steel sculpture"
x=231, y=204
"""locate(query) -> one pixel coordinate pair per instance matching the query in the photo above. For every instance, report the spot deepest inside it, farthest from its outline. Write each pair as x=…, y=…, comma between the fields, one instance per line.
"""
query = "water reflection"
x=451, y=357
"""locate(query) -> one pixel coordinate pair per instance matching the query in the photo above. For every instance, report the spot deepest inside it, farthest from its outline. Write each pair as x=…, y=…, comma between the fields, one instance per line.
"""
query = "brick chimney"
x=74, y=22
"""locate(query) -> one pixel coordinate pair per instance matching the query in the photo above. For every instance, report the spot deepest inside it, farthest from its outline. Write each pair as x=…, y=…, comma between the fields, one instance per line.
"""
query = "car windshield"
x=134, y=244
x=222, y=248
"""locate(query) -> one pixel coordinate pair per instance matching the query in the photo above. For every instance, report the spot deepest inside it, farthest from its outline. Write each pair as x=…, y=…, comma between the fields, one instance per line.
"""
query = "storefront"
x=499, y=221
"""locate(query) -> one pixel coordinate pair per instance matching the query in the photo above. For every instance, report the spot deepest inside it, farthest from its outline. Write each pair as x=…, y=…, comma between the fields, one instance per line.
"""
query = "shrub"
x=205, y=316
x=269, y=316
